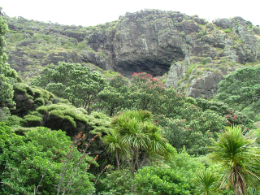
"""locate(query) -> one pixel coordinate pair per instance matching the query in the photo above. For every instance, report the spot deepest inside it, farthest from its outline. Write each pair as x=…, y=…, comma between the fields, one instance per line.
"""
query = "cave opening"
x=154, y=68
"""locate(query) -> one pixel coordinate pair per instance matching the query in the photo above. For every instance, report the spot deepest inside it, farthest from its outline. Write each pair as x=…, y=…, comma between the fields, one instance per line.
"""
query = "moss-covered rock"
x=33, y=119
x=73, y=120
x=39, y=107
x=29, y=98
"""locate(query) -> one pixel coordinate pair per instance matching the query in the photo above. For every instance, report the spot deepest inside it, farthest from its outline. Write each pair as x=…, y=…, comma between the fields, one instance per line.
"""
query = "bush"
x=14, y=120
x=4, y=113
x=175, y=177
x=42, y=158
x=116, y=182
x=159, y=180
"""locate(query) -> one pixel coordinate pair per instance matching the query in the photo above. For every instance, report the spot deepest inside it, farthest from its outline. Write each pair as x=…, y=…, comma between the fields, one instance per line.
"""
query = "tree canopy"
x=7, y=75
x=135, y=138
x=75, y=82
x=241, y=89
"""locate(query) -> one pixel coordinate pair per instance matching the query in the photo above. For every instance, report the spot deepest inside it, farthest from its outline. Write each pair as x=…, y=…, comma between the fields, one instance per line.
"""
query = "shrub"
x=14, y=120
x=159, y=180
x=41, y=157
x=116, y=182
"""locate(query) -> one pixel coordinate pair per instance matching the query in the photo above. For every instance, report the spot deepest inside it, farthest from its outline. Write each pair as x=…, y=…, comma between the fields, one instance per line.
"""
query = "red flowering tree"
x=145, y=91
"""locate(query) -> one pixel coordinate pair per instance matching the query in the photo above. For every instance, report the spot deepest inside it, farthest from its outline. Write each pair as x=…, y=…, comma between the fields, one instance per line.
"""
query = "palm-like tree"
x=206, y=181
x=240, y=157
x=136, y=138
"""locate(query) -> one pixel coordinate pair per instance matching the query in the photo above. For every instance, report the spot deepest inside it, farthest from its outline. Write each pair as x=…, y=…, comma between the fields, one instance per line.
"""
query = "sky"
x=94, y=12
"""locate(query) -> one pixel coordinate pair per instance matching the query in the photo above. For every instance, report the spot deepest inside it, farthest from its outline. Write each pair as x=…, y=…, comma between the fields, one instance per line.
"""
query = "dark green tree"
x=241, y=89
x=8, y=76
x=115, y=96
x=75, y=82
x=145, y=92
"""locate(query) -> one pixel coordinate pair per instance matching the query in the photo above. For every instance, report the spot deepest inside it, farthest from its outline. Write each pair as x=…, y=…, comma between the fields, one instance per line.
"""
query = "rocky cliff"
x=195, y=52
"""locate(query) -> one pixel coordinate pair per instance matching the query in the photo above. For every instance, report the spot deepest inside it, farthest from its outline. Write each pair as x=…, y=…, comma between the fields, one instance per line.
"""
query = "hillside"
x=195, y=52
x=79, y=129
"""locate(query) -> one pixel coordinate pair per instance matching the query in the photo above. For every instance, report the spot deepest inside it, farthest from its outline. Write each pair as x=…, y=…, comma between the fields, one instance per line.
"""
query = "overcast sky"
x=93, y=12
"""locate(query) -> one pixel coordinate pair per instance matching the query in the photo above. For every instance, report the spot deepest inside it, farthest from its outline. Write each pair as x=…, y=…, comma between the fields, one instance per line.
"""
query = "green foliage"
x=34, y=96
x=70, y=113
x=185, y=121
x=144, y=92
x=189, y=71
x=14, y=120
x=115, y=182
x=109, y=73
x=160, y=180
x=175, y=177
x=227, y=31
x=135, y=139
x=207, y=181
x=241, y=89
x=33, y=120
x=206, y=60
x=114, y=97
x=4, y=113
x=233, y=117
x=7, y=75
x=63, y=111
x=82, y=45
x=187, y=74
x=41, y=157
x=72, y=81
x=192, y=131
x=238, y=155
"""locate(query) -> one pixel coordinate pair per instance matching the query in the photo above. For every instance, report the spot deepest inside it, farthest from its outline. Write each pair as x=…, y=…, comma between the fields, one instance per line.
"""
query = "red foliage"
x=147, y=79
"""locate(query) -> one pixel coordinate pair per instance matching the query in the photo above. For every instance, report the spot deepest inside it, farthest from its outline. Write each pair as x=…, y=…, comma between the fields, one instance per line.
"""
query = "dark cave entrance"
x=156, y=64
x=152, y=67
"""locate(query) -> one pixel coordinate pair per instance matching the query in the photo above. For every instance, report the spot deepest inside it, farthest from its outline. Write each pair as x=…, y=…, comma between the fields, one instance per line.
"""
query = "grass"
x=189, y=71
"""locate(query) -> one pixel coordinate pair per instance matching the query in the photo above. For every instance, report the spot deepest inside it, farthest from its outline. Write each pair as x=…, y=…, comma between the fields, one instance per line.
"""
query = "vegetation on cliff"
x=241, y=90
x=145, y=41
x=119, y=135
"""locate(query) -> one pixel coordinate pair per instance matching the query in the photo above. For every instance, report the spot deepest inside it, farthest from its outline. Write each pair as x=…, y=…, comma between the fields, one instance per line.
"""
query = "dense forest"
x=75, y=130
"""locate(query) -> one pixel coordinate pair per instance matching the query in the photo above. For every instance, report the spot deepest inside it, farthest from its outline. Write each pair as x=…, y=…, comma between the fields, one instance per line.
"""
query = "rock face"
x=195, y=85
x=146, y=41
x=204, y=87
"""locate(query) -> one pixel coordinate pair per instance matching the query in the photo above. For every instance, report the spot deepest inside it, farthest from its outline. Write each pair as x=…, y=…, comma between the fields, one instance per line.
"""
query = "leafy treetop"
x=241, y=89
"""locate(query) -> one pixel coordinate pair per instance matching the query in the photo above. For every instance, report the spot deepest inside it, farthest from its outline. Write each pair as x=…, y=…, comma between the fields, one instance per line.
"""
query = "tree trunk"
x=132, y=169
x=117, y=160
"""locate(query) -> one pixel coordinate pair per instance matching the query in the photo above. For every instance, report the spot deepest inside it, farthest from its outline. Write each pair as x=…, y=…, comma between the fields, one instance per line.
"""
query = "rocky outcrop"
x=41, y=108
x=150, y=40
x=188, y=80
x=145, y=41
x=206, y=86
x=176, y=73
